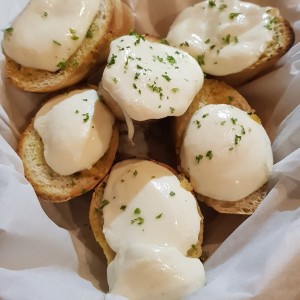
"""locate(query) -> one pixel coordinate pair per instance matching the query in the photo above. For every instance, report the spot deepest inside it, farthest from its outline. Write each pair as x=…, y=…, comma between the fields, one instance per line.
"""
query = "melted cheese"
x=225, y=36
x=226, y=153
x=47, y=33
x=150, y=80
x=151, y=222
x=76, y=130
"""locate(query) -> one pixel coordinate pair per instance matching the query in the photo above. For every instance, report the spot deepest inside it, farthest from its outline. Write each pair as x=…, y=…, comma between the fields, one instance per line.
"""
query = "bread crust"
x=97, y=221
x=217, y=92
x=51, y=186
x=116, y=20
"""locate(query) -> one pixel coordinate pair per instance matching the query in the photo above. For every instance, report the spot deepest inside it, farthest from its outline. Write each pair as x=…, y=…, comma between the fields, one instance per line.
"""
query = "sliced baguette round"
x=283, y=40
x=217, y=92
x=97, y=221
x=114, y=19
x=51, y=186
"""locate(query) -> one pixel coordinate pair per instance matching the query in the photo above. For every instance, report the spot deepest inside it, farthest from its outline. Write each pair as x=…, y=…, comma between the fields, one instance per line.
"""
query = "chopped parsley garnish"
x=73, y=34
x=115, y=80
x=138, y=37
x=172, y=109
x=171, y=59
x=237, y=139
x=134, y=86
x=156, y=89
x=76, y=111
x=175, y=90
x=209, y=154
x=233, y=121
x=271, y=22
x=45, y=14
x=194, y=247
x=135, y=172
x=123, y=207
x=112, y=60
x=222, y=6
x=103, y=203
x=198, y=158
x=186, y=44
x=200, y=59
x=172, y=194
x=89, y=33
x=205, y=115
x=85, y=117
x=212, y=47
x=139, y=67
x=231, y=148
x=233, y=15
x=222, y=123
x=138, y=221
x=243, y=130
x=159, y=216
x=136, y=76
x=198, y=124
x=207, y=41
x=84, y=99
x=211, y=3
x=62, y=65
x=226, y=39
x=166, y=77
x=164, y=41
x=9, y=30
x=230, y=98
x=56, y=42
x=137, y=211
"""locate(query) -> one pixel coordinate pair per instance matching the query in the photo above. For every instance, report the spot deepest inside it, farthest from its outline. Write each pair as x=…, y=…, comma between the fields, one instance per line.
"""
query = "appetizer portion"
x=224, y=150
x=149, y=80
x=53, y=44
x=150, y=227
x=232, y=37
x=69, y=146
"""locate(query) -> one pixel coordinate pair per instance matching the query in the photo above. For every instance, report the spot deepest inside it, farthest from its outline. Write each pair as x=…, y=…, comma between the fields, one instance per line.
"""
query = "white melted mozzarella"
x=162, y=273
x=158, y=210
x=47, y=33
x=151, y=222
x=226, y=153
x=76, y=130
x=150, y=80
x=225, y=36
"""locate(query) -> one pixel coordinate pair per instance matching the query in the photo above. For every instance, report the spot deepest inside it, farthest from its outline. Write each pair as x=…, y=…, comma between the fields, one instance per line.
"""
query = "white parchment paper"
x=47, y=251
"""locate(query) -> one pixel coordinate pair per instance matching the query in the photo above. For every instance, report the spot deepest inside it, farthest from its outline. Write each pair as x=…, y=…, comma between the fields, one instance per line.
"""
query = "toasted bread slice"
x=217, y=92
x=51, y=186
x=114, y=19
x=283, y=40
x=97, y=221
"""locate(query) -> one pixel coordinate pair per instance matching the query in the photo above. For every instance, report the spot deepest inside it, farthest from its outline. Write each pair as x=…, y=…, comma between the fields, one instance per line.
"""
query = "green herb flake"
x=212, y=47
x=211, y=3
x=198, y=158
x=135, y=172
x=164, y=41
x=233, y=15
x=115, y=80
x=45, y=14
x=56, y=43
x=159, y=216
x=85, y=99
x=85, y=117
x=74, y=37
x=231, y=148
x=9, y=30
x=139, y=37
x=174, y=90
x=233, y=121
x=209, y=154
x=172, y=109
x=123, y=207
x=62, y=65
x=103, y=203
x=172, y=194
x=237, y=139
x=204, y=116
x=134, y=86
x=194, y=247
x=230, y=99
x=138, y=221
x=89, y=34
x=186, y=44
x=76, y=111
x=226, y=39
x=198, y=124
x=166, y=77
x=137, y=211
x=200, y=59
x=222, y=6
x=243, y=130
x=112, y=60
x=235, y=39
x=171, y=59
